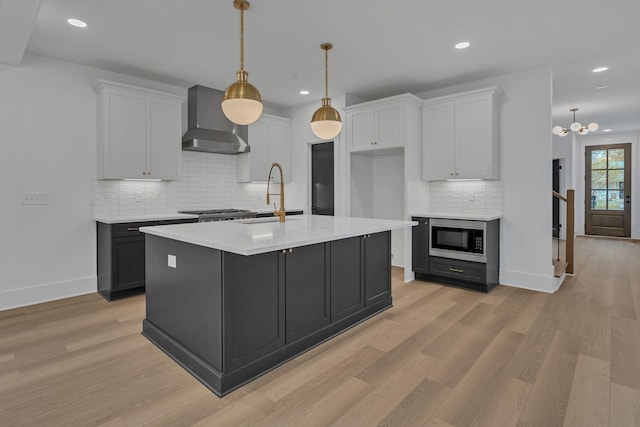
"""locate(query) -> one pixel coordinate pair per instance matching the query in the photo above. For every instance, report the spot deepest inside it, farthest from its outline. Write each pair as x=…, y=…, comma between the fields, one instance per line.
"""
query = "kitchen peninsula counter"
x=231, y=300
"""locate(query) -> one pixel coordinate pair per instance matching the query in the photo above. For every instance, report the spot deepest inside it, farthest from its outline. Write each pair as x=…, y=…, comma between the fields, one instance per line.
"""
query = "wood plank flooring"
x=442, y=356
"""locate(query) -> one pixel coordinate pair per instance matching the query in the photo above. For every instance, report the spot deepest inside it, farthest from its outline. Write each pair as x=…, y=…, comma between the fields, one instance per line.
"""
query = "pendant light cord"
x=242, y=38
x=326, y=73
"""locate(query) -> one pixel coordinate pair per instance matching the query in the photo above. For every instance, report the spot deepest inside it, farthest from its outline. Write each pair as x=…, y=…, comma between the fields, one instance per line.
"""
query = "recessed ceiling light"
x=463, y=45
x=606, y=130
x=304, y=92
x=602, y=87
x=77, y=23
x=600, y=69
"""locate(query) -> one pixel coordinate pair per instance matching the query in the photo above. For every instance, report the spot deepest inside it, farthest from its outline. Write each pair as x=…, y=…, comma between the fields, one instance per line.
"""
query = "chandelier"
x=575, y=126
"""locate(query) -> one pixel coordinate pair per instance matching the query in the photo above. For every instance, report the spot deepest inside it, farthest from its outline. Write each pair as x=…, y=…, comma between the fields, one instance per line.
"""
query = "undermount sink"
x=262, y=220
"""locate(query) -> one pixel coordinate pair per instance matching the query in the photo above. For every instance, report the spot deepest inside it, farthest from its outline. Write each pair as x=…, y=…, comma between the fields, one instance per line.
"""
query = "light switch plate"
x=171, y=261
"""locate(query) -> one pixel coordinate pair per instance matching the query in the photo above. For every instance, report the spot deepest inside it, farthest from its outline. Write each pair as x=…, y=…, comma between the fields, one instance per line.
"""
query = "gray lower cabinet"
x=253, y=315
x=377, y=271
x=228, y=318
x=347, y=277
x=121, y=257
x=420, y=245
x=307, y=290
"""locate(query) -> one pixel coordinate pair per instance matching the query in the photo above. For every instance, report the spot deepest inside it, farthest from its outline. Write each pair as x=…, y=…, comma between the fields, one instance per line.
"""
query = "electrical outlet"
x=34, y=199
x=171, y=260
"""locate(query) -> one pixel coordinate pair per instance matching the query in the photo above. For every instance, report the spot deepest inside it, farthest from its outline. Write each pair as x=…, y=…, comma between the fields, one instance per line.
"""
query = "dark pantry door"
x=608, y=190
x=556, y=201
x=322, y=179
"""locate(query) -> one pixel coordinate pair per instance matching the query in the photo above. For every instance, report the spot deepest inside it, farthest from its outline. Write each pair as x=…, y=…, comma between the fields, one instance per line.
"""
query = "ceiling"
x=381, y=48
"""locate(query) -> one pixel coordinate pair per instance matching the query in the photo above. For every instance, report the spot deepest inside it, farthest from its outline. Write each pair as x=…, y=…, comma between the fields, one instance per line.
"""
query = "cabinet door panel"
x=438, y=140
x=361, y=128
x=473, y=138
x=307, y=291
x=254, y=307
x=164, y=143
x=128, y=265
x=347, y=274
x=280, y=146
x=420, y=245
x=125, y=154
x=377, y=267
x=259, y=154
x=390, y=126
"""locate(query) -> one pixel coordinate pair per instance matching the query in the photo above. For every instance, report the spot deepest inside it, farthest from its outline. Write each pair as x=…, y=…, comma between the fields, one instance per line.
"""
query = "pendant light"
x=326, y=123
x=575, y=126
x=242, y=103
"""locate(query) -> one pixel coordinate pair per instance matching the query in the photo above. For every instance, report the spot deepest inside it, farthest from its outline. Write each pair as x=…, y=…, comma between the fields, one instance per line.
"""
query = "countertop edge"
x=469, y=217
x=160, y=232
x=140, y=218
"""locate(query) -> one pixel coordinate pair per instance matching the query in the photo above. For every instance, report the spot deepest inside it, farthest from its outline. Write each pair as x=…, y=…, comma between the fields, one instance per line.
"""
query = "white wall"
x=525, y=172
x=48, y=134
x=579, y=159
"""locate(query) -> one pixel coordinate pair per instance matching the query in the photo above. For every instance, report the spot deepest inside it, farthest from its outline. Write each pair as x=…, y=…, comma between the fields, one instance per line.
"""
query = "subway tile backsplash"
x=466, y=197
x=208, y=181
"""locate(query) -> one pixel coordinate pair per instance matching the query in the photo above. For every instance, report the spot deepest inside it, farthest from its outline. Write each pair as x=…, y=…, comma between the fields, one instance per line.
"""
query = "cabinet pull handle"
x=290, y=250
x=133, y=229
x=456, y=270
x=284, y=251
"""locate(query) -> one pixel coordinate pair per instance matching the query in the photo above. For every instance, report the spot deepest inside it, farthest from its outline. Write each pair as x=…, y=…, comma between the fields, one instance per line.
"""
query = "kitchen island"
x=231, y=300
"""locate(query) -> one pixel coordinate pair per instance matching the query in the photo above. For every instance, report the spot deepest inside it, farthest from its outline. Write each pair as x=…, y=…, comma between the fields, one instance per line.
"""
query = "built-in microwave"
x=458, y=239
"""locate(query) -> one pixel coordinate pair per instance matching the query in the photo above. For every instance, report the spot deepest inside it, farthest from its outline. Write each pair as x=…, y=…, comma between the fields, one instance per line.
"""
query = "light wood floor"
x=441, y=356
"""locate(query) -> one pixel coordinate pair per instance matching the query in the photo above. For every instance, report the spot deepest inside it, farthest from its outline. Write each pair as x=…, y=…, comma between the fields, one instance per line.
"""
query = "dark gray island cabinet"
x=228, y=318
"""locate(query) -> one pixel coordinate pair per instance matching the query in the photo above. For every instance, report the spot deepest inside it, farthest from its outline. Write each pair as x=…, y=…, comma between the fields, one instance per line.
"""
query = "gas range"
x=208, y=215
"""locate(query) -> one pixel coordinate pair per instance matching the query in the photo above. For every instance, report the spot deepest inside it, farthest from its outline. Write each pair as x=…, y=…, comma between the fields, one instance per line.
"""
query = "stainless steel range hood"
x=209, y=130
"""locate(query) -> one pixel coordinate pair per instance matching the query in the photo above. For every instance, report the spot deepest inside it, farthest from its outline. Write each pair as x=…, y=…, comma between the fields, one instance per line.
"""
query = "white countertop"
x=141, y=218
x=467, y=216
x=260, y=237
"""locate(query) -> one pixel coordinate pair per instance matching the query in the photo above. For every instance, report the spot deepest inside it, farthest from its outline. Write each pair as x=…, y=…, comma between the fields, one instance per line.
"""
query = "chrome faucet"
x=277, y=212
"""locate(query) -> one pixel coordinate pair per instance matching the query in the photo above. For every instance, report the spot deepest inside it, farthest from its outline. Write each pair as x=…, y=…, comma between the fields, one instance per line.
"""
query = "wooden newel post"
x=571, y=197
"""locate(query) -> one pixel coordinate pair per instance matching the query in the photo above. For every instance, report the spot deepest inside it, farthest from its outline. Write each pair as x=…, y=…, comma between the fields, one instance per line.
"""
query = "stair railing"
x=570, y=220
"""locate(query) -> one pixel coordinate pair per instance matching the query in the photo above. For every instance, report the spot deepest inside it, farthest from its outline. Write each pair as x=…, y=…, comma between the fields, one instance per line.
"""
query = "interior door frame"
x=628, y=190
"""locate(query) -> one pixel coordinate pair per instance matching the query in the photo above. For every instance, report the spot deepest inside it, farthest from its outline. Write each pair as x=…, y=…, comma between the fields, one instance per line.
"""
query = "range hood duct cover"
x=209, y=130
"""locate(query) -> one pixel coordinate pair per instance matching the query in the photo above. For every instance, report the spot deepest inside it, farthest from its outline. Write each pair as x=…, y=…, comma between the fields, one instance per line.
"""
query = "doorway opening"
x=322, y=185
x=608, y=190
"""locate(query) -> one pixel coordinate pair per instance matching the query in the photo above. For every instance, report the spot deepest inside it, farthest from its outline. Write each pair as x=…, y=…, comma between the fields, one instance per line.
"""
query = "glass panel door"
x=608, y=207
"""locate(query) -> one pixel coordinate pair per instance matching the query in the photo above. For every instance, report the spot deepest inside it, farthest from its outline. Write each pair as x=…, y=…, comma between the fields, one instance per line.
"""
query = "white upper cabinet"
x=378, y=124
x=270, y=141
x=460, y=136
x=139, y=133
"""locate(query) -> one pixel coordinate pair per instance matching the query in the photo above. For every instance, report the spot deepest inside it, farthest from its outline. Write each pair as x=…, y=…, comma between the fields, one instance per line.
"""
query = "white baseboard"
x=15, y=298
x=533, y=282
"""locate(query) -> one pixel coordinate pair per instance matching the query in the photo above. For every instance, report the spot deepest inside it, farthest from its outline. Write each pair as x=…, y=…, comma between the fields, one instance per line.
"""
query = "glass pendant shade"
x=326, y=122
x=242, y=103
x=575, y=126
x=593, y=127
x=556, y=130
x=564, y=132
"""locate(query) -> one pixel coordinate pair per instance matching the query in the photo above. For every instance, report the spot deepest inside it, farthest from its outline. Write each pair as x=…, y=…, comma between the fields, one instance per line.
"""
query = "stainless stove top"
x=205, y=215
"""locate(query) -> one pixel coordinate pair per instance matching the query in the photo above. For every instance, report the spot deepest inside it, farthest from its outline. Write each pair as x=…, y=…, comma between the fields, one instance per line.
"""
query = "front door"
x=608, y=190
